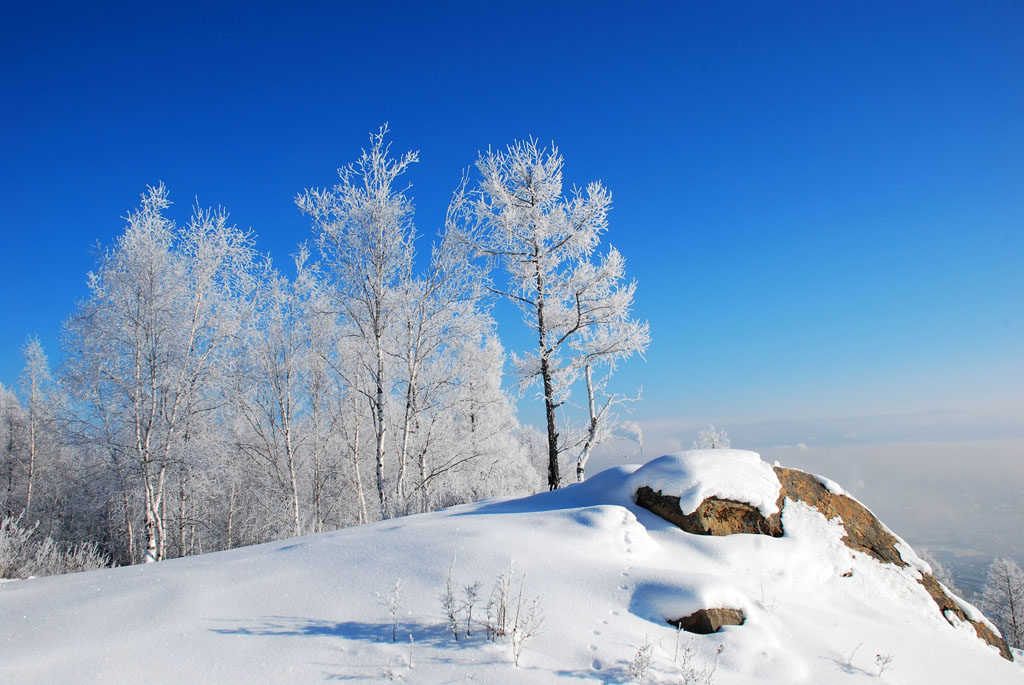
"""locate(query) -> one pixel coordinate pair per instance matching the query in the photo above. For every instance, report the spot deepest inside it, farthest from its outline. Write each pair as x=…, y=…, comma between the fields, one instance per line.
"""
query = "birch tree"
x=612, y=337
x=269, y=388
x=12, y=423
x=365, y=232
x=439, y=315
x=36, y=388
x=142, y=344
x=546, y=240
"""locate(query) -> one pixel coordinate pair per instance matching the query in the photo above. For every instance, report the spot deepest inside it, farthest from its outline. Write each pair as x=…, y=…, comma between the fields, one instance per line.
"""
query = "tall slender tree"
x=365, y=232
x=545, y=241
x=36, y=388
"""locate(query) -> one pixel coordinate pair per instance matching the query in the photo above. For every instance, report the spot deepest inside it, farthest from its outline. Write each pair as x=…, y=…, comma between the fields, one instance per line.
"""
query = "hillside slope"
x=608, y=575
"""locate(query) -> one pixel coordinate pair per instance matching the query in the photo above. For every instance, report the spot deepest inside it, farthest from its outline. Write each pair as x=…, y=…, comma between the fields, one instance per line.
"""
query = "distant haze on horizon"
x=822, y=204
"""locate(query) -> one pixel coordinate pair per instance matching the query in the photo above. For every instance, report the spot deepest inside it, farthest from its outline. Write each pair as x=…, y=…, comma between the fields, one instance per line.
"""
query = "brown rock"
x=947, y=603
x=864, y=533
x=713, y=517
x=707, y=621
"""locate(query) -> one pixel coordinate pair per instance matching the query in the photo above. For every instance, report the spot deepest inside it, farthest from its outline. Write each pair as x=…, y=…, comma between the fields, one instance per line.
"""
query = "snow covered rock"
x=707, y=621
x=667, y=487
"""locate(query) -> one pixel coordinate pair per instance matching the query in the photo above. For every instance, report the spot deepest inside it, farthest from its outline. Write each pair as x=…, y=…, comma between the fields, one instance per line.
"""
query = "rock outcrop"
x=864, y=532
x=707, y=621
x=714, y=516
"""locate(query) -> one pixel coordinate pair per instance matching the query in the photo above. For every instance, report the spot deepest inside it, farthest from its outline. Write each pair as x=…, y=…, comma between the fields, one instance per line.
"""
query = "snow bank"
x=607, y=575
x=696, y=475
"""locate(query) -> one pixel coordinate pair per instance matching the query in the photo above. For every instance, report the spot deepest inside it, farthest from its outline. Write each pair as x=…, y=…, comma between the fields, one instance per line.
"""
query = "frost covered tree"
x=599, y=347
x=365, y=232
x=143, y=345
x=578, y=307
x=38, y=393
x=1003, y=599
x=12, y=424
x=712, y=438
x=443, y=347
x=267, y=392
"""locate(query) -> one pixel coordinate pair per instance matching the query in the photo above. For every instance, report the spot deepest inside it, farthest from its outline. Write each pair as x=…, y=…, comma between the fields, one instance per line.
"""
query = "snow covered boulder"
x=712, y=492
x=725, y=492
x=707, y=621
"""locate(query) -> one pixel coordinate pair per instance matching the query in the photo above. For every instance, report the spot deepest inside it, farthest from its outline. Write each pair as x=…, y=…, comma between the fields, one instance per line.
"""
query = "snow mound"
x=696, y=475
x=607, y=574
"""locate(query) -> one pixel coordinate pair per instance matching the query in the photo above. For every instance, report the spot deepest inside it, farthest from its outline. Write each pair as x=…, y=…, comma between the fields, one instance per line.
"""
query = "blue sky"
x=823, y=203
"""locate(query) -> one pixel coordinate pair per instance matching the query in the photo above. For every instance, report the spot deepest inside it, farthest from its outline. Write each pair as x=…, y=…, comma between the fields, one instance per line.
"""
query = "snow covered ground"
x=607, y=575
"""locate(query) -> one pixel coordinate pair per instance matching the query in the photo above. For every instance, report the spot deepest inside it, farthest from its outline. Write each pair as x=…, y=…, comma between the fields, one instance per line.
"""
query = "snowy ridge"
x=607, y=576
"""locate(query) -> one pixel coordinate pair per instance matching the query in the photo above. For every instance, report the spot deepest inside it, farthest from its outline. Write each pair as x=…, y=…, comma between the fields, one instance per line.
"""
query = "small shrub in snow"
x=687, y=670
x=641, y=662
x=526, y=623
x=24, y=553
x=884, y=662
x=496, y=623
x=520, y=622
x=392, y=601
x=450, y=604
x=470, y=595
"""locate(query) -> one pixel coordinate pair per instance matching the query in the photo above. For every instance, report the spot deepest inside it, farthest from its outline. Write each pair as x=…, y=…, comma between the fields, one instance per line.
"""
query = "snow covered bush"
x=526, y=623
x=687, y=670
x=24, y=554
x=641, y=662
x=519, y=619
x=392, y=601
x=711, y=438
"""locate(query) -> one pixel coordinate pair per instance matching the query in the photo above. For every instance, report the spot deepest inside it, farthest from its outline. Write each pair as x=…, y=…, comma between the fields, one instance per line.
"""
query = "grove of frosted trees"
x=207, y=398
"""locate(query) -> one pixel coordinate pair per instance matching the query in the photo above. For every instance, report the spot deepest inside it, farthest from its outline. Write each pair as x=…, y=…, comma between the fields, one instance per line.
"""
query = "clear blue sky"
x=823, y=203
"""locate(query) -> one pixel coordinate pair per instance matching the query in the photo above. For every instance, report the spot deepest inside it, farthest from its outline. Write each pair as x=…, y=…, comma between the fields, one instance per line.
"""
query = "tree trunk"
x=181, y=511
x=588, y=445
x=31, y=457
x=231, y=511
x=292, y=479
x=381, y=429
x=403, y=449
x=317, y=491
x=554, y=479
x=151, y=549
x=549, y=413
x=360, y=492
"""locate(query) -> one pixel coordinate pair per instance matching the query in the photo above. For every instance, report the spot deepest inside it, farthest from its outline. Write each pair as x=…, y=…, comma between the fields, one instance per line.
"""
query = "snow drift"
x=607, y=575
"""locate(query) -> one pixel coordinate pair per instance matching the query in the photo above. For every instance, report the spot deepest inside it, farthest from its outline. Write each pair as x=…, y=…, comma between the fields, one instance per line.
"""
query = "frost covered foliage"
x=208, y=399
x=25, y=553
x=712, y=438
x=578, y=303
x=1003, y=600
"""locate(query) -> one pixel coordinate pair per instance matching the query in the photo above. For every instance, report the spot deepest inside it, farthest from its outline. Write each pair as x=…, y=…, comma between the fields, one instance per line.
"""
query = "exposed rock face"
x=707, y=621
x=864, y=533
x=713, y=517
x=947, y=603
